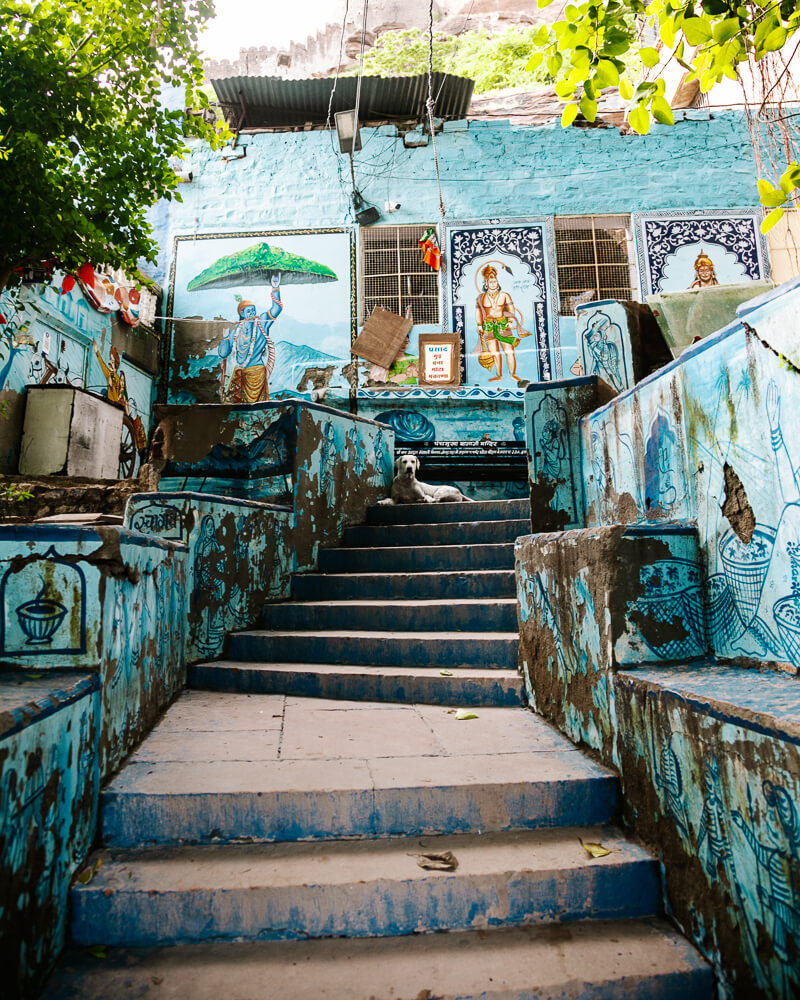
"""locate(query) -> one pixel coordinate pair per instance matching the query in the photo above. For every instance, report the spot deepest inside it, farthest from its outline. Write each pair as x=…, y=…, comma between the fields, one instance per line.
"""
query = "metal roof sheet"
x=274, y=102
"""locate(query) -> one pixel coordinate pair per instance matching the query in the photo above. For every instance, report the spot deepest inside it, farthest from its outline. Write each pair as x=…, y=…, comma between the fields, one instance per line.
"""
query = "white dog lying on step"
x=406, y=488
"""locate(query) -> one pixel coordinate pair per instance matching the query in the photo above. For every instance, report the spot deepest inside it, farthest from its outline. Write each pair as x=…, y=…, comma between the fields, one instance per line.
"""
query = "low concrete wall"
x=97, y=625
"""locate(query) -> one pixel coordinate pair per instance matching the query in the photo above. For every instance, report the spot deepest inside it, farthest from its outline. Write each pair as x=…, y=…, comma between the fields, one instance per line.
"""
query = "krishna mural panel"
x=501, y=293
x=245, y=333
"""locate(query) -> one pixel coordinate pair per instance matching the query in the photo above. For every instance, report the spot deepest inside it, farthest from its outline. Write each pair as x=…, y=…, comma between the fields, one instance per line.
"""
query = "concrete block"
x=552, y=413
x=594, y=600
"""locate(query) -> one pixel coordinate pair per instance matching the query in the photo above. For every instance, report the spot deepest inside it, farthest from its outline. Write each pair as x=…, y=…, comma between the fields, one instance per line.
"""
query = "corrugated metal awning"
x=273, y=102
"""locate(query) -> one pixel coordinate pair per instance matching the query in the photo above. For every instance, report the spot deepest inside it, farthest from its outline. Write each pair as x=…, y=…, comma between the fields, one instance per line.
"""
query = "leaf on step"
x=597, y=850
x=444, y=861
x=88, y=874
x=98, y=951
x=446, y=673
x=462, y=715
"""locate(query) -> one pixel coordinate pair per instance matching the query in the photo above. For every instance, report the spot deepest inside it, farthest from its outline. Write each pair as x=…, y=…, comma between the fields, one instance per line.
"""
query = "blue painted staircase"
x=418, y=605
x=262, y=843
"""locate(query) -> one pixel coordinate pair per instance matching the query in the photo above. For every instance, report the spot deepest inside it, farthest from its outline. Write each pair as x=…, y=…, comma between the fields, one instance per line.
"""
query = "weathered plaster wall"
x=710, y=762
x=49, y=778
x=100, y=598
x=689, y=553
x=489, y=170
x=47, y=336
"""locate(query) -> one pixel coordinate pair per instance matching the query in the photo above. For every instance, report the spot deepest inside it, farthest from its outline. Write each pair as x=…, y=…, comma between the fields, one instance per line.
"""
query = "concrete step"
x=485, y=615
x=438, y=513
x=594, y=960
x=487, y=650
x=223, y=767
x=450, y=533
x=373, y=888
x=467, y=584
x=417, y=559
x=388, y=684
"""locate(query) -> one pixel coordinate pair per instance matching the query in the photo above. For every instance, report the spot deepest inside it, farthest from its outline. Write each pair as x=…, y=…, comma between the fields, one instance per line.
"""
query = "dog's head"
x=406, y=466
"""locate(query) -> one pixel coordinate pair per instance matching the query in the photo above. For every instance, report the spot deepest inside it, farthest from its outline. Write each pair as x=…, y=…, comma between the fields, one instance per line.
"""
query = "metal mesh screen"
x=595, y=259
x=394, y=275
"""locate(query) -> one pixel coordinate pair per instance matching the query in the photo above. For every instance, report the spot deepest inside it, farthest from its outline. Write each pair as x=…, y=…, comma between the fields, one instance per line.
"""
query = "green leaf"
x=446, y=673
x=764, y=187
x=542, y=34
x=667, y=32
x=543, y=3
x=571, y=12
x=554, y=63
x=774, y=41
x=696, y=29
x=534, y=62
x=588, y=108
x=98, y=951
x=639, y=119
x=662, y=112
x=774, y=198
x=725, y=30
x=790, y=178
x=463, y=714
x=771, y=220
x=625, y=89
x=568, y=115
x=564, y=89
x=607, y=74
x=649, y=56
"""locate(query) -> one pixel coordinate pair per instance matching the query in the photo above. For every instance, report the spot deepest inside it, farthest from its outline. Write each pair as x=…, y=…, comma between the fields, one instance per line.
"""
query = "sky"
x=244, y=23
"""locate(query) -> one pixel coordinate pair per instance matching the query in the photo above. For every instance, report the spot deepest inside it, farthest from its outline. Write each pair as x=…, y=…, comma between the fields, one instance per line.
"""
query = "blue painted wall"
x=490, y=171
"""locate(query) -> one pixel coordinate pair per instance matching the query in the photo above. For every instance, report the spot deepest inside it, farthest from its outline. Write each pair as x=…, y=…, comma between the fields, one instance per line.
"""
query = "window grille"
x=394, y=275
x=595, y=259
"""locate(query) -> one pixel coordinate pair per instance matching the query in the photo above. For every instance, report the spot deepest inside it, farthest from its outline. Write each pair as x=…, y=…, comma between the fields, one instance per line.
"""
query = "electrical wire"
x=328, y=123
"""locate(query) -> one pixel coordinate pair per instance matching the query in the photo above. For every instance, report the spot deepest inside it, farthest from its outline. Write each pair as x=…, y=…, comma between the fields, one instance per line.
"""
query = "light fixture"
x=347, y=129
x=365, y=214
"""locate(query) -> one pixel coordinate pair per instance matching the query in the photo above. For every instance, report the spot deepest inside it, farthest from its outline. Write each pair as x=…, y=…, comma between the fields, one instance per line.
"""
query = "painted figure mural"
x=699, y=250
x=246, y=345
x=499, y=325
x=705, y=275
x=236, y=292
x=603, y=341
x=509, y=330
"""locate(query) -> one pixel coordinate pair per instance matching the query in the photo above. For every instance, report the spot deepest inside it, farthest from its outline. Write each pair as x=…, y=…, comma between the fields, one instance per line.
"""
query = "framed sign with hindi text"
x=440, y=359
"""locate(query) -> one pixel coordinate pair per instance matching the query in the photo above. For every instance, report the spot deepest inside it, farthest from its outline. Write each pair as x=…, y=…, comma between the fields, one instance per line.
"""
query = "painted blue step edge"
x=390, y=909
x=453, y=616
x=136, y=819
x=430, y=689
x=404, y=586
x=438, y=513
x=376, y=649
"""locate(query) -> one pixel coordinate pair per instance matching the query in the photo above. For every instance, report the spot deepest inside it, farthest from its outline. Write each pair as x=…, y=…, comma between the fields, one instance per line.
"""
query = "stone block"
x=619, y=342
x=594, y=600
x=552, y=414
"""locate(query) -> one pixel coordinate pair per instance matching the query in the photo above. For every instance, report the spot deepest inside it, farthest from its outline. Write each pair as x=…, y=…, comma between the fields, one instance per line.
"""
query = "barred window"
x=595, y=259
x=394, y=275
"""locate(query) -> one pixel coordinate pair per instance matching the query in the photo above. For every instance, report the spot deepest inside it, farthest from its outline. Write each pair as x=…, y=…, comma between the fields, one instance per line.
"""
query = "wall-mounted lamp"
x=365, y=214
x=347, y=129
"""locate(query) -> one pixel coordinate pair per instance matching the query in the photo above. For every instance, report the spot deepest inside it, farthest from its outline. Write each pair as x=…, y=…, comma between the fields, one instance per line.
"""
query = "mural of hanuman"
x=246, y=344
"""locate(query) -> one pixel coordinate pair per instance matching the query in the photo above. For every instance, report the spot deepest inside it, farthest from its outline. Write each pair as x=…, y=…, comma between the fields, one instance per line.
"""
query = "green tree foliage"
x=587, y=49
x=85, y=144
x=494, y=62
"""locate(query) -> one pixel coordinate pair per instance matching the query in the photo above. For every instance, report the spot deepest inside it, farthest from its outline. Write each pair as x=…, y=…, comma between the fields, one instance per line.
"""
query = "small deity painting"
x=500, y=326
x=502, y=303
x=705, y=275
x=699, y=250
x=236, y=292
